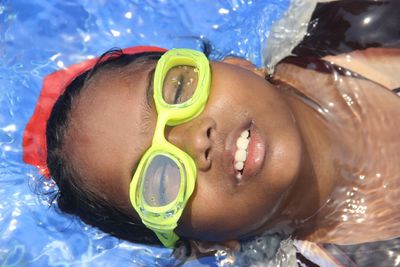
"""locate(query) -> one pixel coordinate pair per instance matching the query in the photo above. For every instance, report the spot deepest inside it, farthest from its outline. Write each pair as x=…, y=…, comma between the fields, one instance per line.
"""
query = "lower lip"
x=255, y=153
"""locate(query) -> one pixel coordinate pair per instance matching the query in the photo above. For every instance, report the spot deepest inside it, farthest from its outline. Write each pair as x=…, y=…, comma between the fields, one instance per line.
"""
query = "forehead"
x=105, y=136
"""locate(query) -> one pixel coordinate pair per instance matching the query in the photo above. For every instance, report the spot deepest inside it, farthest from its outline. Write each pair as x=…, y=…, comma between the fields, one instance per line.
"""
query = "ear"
x=244, y=63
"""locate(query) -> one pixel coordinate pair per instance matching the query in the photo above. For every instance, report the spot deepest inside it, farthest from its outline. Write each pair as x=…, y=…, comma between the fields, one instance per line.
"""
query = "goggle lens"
x=179, y=84
x=161, y=182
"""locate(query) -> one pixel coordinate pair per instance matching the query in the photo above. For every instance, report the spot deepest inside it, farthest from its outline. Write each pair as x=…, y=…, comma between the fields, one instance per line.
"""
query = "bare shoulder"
x=381, y=65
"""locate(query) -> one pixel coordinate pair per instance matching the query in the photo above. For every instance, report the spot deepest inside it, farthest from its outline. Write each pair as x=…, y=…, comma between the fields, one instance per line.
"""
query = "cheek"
x=216, y=212
x=242, y=99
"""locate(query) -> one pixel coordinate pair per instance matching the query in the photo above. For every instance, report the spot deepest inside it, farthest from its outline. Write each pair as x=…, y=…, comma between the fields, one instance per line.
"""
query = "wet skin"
x=112, y=125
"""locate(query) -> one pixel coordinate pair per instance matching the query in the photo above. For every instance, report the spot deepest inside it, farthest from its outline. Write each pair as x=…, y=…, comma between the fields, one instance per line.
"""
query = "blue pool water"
x=38, y=37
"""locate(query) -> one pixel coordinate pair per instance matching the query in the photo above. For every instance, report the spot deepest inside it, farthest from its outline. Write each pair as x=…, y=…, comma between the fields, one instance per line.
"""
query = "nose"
x=195, y=138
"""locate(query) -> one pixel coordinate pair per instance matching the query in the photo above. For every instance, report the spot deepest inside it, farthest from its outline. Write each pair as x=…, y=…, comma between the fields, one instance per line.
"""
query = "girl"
x=313, y=149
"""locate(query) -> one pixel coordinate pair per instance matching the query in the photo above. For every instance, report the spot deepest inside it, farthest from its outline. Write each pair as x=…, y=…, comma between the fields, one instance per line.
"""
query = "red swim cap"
x=54, y=84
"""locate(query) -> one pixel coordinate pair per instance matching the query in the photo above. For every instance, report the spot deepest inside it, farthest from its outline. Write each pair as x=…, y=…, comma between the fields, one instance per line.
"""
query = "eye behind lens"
x=179, y=84
x=161, y=181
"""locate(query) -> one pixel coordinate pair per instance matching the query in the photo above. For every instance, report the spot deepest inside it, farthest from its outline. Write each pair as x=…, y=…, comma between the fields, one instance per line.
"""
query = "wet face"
x=112, y=124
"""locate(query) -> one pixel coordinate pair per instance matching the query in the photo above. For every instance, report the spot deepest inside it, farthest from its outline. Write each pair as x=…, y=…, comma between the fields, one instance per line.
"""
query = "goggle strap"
x=168, y=239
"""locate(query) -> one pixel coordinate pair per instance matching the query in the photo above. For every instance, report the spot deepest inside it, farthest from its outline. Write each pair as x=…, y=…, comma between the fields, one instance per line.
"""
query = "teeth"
x=245, y=134
x=242, y=144
x=239, y=165
x=240, y=155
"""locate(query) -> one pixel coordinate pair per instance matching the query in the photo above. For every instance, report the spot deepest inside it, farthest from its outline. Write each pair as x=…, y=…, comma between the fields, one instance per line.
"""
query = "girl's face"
x=112, y=124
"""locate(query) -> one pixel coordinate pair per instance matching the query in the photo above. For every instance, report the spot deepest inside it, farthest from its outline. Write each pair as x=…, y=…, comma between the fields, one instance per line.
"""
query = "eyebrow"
x=148, y=104
x=148, y=107
x=150, y=89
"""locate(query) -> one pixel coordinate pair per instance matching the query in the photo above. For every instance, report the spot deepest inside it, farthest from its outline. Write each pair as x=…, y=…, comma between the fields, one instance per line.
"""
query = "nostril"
x=207, y=152
x=208, y=132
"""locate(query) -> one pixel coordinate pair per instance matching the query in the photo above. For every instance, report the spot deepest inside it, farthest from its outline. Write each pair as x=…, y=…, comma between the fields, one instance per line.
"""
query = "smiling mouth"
x=248, y=153
x=242, y=144
x=244, y=152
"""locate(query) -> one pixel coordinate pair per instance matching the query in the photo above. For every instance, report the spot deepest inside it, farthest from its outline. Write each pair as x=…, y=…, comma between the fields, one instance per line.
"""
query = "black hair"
x=72, y=196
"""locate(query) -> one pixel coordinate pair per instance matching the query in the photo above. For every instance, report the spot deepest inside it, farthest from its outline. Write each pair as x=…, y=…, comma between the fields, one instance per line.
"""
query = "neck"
x=316, y=179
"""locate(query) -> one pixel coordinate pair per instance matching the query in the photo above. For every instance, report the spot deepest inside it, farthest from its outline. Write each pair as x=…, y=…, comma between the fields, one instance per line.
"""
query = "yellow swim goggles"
x=165, y=177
